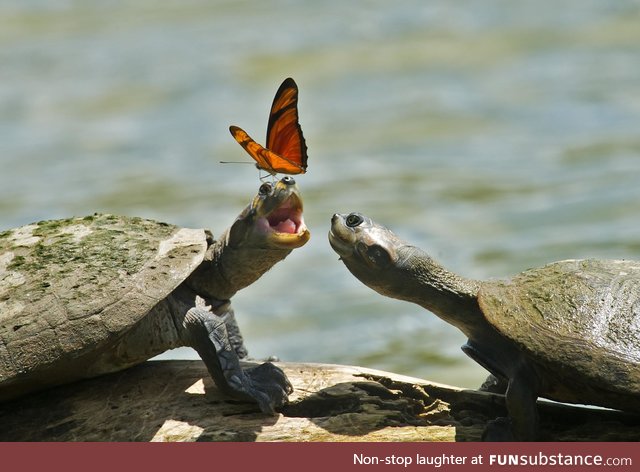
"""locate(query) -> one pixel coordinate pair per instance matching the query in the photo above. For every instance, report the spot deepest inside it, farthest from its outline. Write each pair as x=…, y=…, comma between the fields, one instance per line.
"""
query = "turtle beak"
x=281, y=218
x=341, y=237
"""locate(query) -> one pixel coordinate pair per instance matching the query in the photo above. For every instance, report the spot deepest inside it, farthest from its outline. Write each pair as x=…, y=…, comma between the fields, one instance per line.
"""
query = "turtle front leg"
x=233, y=330
x=523, y=421
x=208, y=334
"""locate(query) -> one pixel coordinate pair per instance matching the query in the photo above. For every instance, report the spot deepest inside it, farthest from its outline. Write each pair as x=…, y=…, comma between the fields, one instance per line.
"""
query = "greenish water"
x=497, y=135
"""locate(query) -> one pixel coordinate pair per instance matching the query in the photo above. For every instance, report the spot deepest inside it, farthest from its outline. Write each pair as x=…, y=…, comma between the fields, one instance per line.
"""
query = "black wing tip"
x=287, y=83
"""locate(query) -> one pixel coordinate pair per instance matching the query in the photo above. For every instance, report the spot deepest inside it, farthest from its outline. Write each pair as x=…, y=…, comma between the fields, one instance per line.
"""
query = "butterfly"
x=286, y=151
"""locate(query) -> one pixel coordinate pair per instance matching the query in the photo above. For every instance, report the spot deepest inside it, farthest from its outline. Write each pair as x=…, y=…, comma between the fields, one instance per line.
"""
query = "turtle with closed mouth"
x=568, y=331
x=86, y=296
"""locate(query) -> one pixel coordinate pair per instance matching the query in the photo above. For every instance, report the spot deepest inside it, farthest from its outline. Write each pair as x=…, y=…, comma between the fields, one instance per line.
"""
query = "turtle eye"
x=353, y=220
x=265, y=189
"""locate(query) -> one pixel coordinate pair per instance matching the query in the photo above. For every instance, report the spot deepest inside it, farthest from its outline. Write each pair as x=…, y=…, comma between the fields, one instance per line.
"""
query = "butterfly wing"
x=265, y=159
x=286, y=151
x=284, y=134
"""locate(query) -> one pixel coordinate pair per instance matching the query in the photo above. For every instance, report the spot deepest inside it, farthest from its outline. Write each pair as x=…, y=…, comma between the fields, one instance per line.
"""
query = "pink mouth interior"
x=285, y=219
x=286, y=226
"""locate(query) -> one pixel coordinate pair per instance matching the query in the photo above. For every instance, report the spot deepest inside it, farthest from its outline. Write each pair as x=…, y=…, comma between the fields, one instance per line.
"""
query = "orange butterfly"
x=286, y=150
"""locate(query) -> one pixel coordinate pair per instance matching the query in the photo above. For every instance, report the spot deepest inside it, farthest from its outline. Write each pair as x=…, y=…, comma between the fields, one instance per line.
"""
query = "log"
x=177, y=401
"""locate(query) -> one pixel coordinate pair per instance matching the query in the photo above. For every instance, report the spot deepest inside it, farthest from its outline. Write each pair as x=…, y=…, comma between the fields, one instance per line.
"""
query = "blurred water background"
x=497, y=135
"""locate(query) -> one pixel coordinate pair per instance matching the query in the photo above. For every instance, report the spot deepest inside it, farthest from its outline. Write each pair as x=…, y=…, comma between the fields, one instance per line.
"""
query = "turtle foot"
x=498, y=430
x=265, y=384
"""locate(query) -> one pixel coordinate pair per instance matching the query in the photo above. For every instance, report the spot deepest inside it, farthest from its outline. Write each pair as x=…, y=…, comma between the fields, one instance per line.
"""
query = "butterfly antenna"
x=235, y=162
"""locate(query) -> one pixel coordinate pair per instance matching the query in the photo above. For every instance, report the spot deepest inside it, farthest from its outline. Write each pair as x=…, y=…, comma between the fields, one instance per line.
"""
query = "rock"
x=177, y=401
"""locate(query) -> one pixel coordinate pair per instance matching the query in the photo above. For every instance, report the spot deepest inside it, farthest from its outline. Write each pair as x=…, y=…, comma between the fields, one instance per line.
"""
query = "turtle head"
x=266, y=231
x=371, y=252
x=273, y=219
x=397, y=269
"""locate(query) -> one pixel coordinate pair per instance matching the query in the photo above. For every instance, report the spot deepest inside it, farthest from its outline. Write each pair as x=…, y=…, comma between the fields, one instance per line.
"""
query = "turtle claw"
x=265, y=384
x=498, y=430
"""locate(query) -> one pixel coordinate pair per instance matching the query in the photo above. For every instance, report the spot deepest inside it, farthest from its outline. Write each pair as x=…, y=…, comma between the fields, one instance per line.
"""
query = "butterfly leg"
x=267, y=176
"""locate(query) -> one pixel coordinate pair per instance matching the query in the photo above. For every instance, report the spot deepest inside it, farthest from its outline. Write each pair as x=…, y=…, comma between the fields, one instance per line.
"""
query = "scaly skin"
x=264, y=234
x=86, y=296
x=198, y=312
x=531, y=332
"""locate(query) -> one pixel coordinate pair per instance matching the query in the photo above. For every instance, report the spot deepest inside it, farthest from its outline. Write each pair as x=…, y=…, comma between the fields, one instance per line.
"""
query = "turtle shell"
x=69, y=286
x=578, y=319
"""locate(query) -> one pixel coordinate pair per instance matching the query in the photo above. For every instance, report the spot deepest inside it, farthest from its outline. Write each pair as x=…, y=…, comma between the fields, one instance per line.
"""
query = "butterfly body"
x=286, y=149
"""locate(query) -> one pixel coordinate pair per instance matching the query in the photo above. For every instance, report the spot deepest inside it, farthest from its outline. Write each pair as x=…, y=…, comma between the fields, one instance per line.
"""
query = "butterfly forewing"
x=286, y=150
x=284, y=134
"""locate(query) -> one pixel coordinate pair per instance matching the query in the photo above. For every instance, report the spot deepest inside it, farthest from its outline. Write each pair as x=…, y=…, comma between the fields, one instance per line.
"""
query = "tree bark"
x=177, y=401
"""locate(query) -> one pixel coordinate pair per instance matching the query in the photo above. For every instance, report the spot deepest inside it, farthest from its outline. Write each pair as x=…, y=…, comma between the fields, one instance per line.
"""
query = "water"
x=497, y=135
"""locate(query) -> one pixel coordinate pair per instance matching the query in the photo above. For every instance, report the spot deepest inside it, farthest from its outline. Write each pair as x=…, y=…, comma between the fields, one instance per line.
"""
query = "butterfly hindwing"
x=265, y=158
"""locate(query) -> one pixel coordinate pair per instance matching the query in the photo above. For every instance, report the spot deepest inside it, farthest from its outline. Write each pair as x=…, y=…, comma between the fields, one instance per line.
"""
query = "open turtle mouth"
x=285, y=224
x=287, y=218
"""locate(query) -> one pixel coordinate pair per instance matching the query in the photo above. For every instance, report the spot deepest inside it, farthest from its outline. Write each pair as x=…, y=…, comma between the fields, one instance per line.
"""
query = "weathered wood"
x=176, y=401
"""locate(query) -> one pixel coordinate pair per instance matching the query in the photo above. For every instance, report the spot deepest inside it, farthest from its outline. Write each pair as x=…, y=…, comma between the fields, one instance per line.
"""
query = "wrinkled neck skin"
x=229, y=267
x=453, y=298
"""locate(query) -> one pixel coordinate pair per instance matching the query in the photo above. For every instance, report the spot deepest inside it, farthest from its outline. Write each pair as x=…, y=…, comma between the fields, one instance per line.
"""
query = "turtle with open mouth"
x=86, y=296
